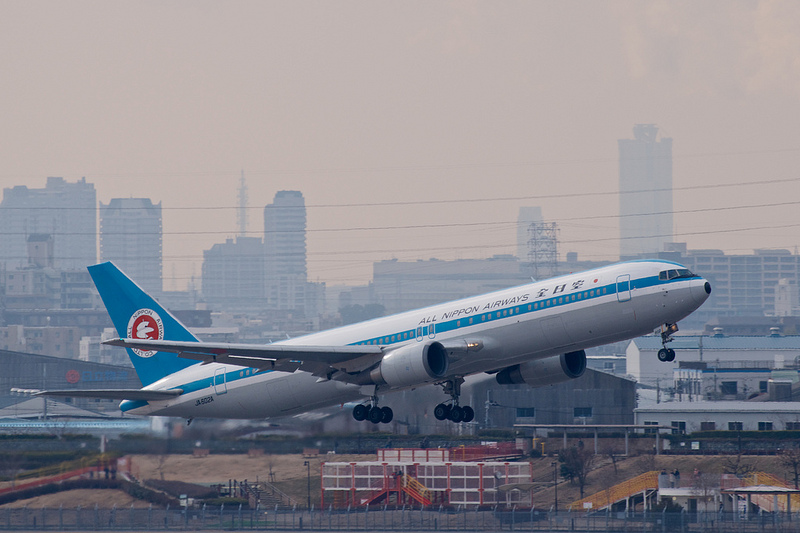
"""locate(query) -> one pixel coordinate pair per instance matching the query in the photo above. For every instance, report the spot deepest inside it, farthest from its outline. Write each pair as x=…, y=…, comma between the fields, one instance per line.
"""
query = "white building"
x=688, y=417
x=744, y=360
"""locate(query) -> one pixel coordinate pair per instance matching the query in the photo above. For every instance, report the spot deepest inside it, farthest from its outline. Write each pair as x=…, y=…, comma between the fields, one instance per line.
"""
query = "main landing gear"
x=667, y=354
x=453, y=412
x=373, y=413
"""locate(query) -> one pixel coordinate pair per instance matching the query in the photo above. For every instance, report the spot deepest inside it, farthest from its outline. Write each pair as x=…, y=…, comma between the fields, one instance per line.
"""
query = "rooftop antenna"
x=242, y=211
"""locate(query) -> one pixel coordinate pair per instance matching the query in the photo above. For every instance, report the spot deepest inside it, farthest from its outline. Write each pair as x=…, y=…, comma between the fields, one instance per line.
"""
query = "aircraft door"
x=432, y=330
x=220, y=386
x=623, y=288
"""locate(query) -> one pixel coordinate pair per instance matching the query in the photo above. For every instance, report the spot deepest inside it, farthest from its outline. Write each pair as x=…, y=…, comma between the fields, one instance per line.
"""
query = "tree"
x=735, y=465
x=790, y=458
x=576, y=463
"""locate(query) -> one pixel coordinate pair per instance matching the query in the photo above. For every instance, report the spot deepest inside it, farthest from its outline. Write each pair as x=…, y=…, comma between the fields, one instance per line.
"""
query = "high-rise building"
x=66, y=211
x=645, y=192
x=286, y=274
x=130, y=236
x=233, y=275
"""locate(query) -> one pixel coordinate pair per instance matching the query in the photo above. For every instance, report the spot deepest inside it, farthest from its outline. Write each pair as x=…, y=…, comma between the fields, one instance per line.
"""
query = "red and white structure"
x=421, y=478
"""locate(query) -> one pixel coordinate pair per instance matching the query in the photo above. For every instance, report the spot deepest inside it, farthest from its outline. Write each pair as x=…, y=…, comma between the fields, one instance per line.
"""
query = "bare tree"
x=576, y=463
x=790, y=458
x=735, y=465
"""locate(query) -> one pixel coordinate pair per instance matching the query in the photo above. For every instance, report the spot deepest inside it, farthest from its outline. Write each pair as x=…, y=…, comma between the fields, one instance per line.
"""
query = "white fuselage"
x=538, y=320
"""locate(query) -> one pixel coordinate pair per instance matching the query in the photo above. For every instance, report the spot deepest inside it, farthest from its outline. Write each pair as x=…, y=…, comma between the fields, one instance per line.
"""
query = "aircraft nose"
x=701, y=291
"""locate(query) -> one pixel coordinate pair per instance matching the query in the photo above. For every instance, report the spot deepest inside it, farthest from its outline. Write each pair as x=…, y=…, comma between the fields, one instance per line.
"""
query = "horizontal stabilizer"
x=114, y=394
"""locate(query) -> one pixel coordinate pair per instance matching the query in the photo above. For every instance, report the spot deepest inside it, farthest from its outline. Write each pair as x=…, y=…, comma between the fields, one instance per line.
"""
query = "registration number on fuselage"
x=204, y=400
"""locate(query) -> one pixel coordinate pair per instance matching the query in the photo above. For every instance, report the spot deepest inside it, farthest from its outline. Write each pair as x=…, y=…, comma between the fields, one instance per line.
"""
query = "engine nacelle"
x=546, y=371
x=412, y=364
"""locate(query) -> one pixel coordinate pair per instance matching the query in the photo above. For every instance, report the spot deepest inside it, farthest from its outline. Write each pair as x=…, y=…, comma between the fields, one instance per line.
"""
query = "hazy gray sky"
x=478, y=107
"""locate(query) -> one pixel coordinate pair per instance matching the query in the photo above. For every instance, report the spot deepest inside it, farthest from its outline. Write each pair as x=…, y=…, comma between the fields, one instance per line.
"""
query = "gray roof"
x=711, y=342
x=723, y=407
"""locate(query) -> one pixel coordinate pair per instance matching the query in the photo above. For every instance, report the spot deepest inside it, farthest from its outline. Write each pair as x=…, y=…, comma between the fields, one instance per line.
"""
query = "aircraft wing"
x=287, y=357
x=113, y=394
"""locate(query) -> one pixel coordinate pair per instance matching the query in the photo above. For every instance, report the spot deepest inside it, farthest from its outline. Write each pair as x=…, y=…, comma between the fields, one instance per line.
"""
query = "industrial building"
x=35, y=372
x=594, y=398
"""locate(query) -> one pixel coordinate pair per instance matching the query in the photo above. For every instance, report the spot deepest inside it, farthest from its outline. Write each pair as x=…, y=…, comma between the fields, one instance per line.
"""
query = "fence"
x=385, y=519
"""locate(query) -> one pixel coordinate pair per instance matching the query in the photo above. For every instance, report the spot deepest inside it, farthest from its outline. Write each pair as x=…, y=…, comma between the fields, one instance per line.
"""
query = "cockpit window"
x=675, y=274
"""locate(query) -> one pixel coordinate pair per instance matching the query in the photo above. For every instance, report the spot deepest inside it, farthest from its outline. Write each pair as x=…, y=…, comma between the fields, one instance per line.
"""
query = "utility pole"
x=307, y=464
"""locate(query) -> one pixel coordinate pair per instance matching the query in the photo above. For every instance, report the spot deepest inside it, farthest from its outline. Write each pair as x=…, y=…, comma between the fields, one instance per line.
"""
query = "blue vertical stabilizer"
x=137, y=315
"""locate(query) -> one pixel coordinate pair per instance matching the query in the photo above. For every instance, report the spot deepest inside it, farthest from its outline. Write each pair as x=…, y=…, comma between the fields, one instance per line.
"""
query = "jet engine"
x=412, y=364
x=547, y=371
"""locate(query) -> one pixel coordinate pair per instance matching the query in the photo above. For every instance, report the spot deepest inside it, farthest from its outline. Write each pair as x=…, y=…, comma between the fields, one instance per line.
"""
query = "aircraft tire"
x=360, y=412
x=375, y=415
x=663, y=355
x=441, y=411
x=469, y=414
x=670, y=354
x=388, y=415
x=456, y=414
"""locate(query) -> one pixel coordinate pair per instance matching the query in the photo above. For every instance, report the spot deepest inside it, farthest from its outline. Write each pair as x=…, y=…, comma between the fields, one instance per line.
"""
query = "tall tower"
x=645, y=192
x=527, y=215
x=130, y=236
x=285, y=248
x=66, y=211
x=543, y=249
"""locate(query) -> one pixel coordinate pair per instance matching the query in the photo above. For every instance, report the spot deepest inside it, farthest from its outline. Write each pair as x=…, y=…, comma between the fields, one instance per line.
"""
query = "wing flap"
x=251, y=355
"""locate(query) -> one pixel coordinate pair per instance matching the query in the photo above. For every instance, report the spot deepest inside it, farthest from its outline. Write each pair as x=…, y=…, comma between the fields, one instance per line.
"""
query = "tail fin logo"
x=145, y=324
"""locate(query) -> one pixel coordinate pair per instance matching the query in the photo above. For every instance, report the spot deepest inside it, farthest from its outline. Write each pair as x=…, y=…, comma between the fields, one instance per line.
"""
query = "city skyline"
x=414, y=130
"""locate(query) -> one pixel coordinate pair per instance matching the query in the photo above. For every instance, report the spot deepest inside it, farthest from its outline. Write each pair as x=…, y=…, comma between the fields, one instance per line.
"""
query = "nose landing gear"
x=667, y=354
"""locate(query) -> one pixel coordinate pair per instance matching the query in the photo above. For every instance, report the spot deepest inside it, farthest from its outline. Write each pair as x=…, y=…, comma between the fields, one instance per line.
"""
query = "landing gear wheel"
x=670, y=354
x=469, y=414
x=456, y=414
x=441, y=411
x=360, y=412
x=663, y=355
x=375, y=415
x=387, y=413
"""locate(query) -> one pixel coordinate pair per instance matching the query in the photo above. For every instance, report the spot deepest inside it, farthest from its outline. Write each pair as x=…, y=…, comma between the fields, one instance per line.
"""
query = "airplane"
x=534, y=334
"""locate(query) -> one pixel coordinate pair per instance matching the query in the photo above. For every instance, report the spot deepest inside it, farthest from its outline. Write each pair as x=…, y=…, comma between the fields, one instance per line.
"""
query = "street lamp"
x=555, y=483
x=307, y=464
